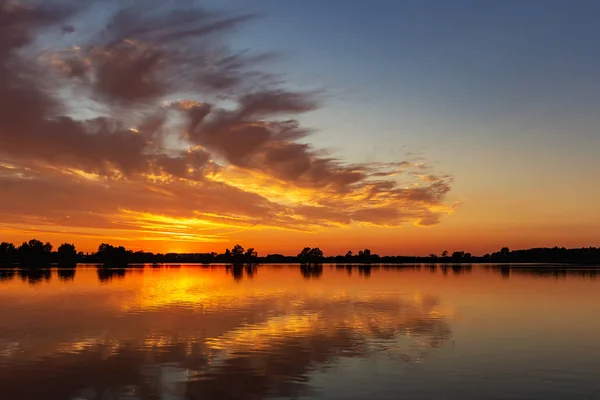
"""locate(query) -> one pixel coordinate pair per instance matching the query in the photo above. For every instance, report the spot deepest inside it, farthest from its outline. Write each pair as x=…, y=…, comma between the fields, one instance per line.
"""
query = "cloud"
x=148, y=52
x=153, y=124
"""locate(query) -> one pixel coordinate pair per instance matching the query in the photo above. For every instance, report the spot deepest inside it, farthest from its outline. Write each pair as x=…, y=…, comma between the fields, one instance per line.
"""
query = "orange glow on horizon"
x=135, y=138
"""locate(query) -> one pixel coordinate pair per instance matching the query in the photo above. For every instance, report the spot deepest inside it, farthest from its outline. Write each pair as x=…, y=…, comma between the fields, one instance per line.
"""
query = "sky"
x=406, y=127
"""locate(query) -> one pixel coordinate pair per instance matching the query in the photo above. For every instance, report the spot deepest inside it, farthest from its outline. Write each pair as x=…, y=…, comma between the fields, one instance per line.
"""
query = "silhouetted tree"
x=143, y=257
x=251, y=256
x=304, y=255
x=238, y=255
x=8, y=253
x=237, y=252
x=66, y=255
x=316, y=255
x=113, y=257
x=310, y=256
x=34, y=254
x=364, y=256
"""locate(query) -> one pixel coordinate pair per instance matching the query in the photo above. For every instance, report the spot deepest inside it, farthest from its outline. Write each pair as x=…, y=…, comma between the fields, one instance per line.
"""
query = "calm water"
x=286, y=332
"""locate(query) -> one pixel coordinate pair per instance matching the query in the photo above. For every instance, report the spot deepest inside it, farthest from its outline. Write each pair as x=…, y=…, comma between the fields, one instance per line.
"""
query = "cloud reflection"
x=189, y=339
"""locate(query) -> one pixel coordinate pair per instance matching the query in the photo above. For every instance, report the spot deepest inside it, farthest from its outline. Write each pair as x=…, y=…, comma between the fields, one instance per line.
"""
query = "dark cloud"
x=149, y=52
x=20, y=22
x=269, y=146
x=129, y=71
x=272, y=102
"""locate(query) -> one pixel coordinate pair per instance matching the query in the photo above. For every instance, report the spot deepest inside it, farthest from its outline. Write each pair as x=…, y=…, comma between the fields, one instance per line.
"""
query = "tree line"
x=36, y=254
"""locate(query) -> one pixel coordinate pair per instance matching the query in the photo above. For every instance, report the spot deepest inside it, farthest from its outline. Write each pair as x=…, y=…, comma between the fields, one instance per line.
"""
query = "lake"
x=287, y=332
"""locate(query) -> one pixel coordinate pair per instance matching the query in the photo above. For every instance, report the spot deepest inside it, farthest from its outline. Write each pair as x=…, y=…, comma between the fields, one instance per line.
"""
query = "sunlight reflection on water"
x=284, y=332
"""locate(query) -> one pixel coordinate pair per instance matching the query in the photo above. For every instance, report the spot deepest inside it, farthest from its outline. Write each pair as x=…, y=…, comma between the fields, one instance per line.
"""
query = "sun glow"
x=268, y=187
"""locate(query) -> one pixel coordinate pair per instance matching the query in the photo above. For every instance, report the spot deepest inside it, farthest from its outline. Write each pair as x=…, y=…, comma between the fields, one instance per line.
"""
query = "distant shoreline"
x=35, y=254
x=258, y=264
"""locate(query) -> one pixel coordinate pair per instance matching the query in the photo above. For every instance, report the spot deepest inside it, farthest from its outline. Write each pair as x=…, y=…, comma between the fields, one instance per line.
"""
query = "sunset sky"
x=408, y=127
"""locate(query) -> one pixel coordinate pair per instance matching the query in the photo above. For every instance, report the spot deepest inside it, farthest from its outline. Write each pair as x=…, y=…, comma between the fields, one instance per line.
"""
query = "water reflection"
x=311, y=271
x=66, y=274
x=34, y=276
x=239, y=270
x=364, y=270
x=181, y=337
x=545, y=271
x=106, y=275
x=235, y=332
x=7, y=274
